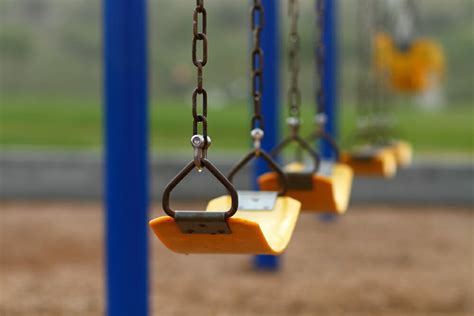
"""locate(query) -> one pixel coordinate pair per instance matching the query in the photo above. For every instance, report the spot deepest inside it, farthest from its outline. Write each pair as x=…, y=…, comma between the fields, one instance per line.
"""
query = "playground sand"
x=376, y=260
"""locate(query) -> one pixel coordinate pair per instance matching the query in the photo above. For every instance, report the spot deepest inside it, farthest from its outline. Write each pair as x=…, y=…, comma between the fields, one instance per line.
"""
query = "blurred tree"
x=15, y=44
x=52, y=46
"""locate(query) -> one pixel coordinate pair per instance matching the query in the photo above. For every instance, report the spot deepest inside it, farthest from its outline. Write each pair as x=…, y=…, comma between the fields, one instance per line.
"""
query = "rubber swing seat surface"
x=403, y=153
x=327, y=192
x=252, y=232
x=375, y=162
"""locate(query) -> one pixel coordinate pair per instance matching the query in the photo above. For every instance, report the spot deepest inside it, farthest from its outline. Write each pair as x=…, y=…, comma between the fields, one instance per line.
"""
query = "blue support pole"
x=330, y=83
x=270, y=102
x=126, y=157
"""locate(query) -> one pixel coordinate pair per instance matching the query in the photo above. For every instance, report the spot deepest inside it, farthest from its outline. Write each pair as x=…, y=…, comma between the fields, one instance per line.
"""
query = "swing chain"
x=363, y=83
x=413, y=8
x=413, y=13
x=294, y=93
x=257, y=22
x=320, y=51
x=190, y=222
x=200, y=35
x=405, y=22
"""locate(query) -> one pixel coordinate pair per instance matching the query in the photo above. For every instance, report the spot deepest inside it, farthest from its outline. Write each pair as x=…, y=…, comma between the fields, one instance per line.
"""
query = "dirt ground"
x=376, y=260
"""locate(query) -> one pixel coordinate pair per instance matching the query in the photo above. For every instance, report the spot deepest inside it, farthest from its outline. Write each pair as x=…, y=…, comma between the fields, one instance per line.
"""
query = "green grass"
x=71, y=123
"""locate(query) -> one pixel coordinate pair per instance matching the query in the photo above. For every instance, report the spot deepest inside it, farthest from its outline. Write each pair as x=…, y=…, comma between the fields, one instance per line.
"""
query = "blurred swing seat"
x=254, y=229
x=403, y=153
x=328, y=190
x=371, y=162
x=413, y=70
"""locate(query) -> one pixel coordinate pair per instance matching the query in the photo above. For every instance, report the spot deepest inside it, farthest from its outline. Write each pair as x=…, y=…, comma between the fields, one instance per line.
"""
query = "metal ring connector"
x=257, y=136
x=294, y=123
x=320, y=119
x=200, y=149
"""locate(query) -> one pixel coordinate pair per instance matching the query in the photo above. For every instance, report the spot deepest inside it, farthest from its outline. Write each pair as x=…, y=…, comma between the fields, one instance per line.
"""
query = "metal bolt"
x=293, y=121
x=197, y=141
x=257, y=133
x=320, y=119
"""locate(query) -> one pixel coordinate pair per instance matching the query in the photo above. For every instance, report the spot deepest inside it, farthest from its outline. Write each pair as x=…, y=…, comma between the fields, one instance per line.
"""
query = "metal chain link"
x=414, y=9
x=320, y=56
x=379, y=78
x=257, y=21
x=402, y=20
x=294, y=93
x=411, y=11
x=382, y=117
x=200, y=35
x=363, y=86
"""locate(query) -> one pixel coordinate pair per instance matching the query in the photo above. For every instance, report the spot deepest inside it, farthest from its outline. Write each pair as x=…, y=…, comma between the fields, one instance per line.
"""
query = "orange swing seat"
x=403, y=152
x=251, y=231
x=326, y=191
x=371, y=162
x=255, y=223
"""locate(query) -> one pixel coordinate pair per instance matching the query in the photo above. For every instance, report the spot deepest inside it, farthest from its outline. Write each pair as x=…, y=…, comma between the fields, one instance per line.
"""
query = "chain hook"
x=320, y=120
x=294, y=123
x=257, y=18
x=294, y=93
x=200, y=149
x=257, y=136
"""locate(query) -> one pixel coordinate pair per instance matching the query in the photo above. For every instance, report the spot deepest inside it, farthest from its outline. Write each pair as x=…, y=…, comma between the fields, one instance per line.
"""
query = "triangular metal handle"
x=260, y=153
x=304, y=145
x=215, y=172
x=329, y=139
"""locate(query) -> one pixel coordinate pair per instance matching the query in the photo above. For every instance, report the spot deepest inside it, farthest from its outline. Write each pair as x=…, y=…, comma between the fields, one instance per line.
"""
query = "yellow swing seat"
x=326, y=191
x=371, y=162
x=403, y=153
x=251, y=231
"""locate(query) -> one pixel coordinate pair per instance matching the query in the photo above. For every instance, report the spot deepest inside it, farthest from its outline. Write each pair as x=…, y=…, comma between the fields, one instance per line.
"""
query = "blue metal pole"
x=330, y=70
x=270, y=101
x=126, y=157
x=330, y=83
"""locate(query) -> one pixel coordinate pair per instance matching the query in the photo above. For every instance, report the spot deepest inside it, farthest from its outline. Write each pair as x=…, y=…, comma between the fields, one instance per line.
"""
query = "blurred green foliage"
x=15, y=45
x=51, y=72
x=71, y=123
x=59, y=44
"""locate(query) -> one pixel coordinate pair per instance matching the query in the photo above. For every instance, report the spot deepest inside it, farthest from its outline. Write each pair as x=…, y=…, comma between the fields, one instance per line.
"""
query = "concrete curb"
x=78, y=175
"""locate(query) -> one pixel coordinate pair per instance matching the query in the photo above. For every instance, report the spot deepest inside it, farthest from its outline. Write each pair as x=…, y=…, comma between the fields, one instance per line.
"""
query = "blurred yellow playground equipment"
x=414, y=69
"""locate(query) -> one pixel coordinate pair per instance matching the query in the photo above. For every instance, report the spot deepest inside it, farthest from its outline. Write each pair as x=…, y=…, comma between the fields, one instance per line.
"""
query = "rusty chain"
x=257, y=128
x=199, y=142
x=294, y=93
x=320, y=56
x=411, y=10
x=200, y=35
x=363, y=82
x=257, y=21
